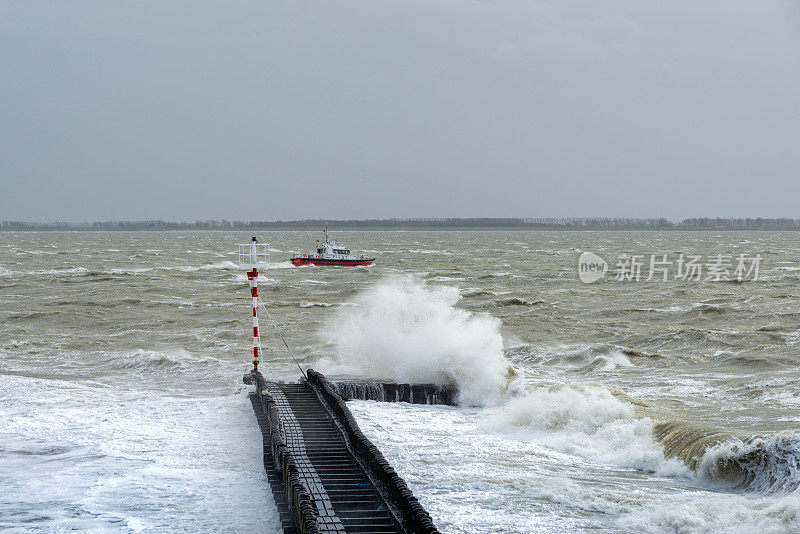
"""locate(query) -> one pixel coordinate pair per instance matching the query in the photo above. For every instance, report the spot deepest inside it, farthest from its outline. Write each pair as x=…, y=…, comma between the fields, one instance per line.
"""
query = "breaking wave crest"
x=587, y=358
x=405, y=330
x=159, y=361
x=227, y=265
x=602, y=424
x=517, y=301
x=587, y=420
x=142, y=359
x=764, y=464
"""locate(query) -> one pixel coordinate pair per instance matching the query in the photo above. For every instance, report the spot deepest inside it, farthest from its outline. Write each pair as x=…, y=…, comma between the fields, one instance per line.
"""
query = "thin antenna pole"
x=285, y=344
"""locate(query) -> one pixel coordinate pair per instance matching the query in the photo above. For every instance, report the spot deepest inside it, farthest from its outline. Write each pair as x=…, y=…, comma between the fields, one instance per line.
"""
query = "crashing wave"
x=408, y=331
x=765, y=464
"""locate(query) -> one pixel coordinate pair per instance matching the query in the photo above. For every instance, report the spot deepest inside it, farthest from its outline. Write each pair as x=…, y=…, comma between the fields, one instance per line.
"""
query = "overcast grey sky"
x=185, y=110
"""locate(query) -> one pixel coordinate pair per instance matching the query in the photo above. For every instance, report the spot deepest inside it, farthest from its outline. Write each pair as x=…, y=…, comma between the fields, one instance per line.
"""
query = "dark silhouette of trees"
x=433, y=223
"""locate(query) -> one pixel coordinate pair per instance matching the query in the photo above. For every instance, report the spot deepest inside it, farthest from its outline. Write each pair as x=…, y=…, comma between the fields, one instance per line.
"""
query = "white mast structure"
x=253, y=256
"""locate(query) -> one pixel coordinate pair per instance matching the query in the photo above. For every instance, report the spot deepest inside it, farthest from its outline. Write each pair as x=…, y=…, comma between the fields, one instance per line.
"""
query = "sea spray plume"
x=402, y=329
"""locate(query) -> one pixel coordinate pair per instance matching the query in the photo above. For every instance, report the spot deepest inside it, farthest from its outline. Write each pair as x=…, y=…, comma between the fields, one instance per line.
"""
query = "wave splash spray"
x=405, y=330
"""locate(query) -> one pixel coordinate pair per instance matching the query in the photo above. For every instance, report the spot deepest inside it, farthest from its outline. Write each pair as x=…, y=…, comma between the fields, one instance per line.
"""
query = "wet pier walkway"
x=325, y=475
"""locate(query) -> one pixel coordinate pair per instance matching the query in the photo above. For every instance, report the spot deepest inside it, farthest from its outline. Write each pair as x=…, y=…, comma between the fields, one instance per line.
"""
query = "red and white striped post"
x=253, y=256
x=252, y=277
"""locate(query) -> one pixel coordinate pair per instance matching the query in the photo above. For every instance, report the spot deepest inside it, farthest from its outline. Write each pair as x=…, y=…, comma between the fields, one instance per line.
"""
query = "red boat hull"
x=339, y=263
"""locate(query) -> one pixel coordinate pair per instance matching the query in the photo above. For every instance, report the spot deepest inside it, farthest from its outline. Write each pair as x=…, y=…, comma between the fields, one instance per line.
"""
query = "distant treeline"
x=569, y=223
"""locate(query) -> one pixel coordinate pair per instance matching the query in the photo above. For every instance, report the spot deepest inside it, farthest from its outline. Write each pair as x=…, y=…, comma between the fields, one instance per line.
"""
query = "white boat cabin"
x=334, y=251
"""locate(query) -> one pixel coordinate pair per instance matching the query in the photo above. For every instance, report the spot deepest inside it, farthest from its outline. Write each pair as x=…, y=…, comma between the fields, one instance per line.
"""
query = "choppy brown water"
x=661, y=406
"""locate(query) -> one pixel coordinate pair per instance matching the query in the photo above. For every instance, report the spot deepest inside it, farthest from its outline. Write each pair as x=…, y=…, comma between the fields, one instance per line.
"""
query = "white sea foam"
x=91, y=459
x=212, y=266
x=611, y=361
x=539, y=489
x=793, y=338
x=417, y=251
x=68, y=270
x=132, y=270
x=589, y=421
x=587, y=357
x=228, y=266
x=446, y=278
x=405, y=330
x=710, y=512
x=36, y=253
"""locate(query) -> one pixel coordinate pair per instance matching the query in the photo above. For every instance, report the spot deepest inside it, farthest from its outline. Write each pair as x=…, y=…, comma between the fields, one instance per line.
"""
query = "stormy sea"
x=640, y=402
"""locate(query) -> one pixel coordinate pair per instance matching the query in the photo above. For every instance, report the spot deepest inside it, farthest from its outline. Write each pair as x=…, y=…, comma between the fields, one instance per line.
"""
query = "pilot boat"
x=331, y=253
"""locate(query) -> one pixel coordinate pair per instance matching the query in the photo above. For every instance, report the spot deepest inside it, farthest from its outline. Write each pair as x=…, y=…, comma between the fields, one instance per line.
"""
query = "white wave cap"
x=405, y=330
x=589, y=421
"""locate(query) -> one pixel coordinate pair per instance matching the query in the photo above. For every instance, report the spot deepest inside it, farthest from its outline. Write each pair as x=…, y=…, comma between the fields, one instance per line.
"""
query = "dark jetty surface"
x=325, y=475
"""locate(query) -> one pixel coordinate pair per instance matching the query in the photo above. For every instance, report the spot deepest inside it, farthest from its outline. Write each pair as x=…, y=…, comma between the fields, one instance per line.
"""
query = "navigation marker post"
x=253, y=256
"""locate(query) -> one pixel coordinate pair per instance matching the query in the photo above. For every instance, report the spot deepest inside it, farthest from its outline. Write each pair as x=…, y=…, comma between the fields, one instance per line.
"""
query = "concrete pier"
x=326, y=476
